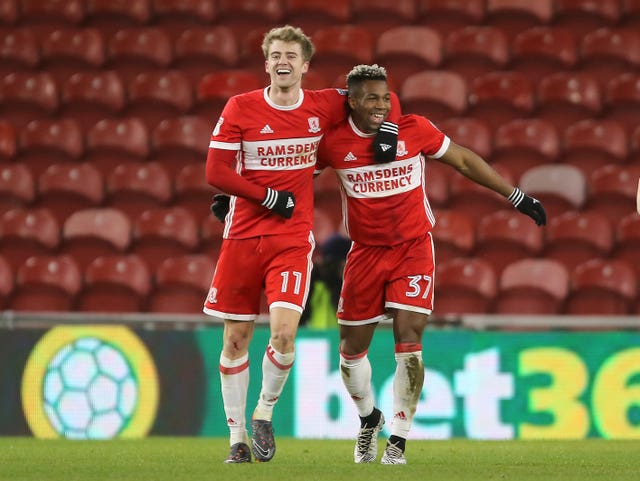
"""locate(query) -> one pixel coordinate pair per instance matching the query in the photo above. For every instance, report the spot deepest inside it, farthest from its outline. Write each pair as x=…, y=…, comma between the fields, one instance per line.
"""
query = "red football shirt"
x=277, y=147
x=385, y=203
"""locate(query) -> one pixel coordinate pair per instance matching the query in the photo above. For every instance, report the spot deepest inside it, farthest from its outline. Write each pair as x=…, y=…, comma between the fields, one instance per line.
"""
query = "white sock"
x=234, y=380
x=356, y=376
x=275, y=371
x=407, y=387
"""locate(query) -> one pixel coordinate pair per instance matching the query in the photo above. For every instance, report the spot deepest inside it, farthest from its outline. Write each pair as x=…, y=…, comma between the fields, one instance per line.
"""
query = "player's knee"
x=283, y=339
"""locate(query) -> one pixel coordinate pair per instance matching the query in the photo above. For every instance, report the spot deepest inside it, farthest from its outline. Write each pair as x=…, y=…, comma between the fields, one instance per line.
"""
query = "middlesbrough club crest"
x=314, y=125
x=402, y=149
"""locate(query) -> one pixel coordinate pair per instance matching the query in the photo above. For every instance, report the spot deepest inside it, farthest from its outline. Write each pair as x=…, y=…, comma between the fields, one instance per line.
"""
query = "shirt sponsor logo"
x=281, y=154
x=372, y=181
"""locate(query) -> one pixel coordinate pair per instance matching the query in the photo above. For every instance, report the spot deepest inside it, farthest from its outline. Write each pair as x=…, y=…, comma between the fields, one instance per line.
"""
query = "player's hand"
x=529, y=206
x=220, y=206
x=281, y=202
x=385, y=143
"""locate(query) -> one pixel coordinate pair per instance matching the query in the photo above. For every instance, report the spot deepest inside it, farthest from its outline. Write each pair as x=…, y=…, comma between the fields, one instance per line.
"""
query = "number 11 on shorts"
x=297, y=279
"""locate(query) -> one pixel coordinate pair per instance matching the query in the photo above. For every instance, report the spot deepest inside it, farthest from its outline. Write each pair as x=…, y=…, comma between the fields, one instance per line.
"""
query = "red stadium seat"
x=119, y=283
x=448, y=15
x=215, y=89
x=437, y=95
x=584, y=16
x=499, y=97
x=561, y=188
x=174, y=16
x=132, y=51
x=590, y=144
x=66, y=188
x=50, y=141
x=612, y=191
x=525, y=143
x=192, y=191
x=7, y=282
x=109, y=16
x=243, y=16
x=573, y=238
x=154, y=96
x=211, y=230
x=475, y=50
x=90, y=97
x=465, y=286
x=340, y=47
x=567, y=97
x=324, y=226
x=46, y=283
x=181, y=141
x=160, y=233
x=8, y=141
x=70, y=50
x=608, y=52
x=635, y=145
x=382, y=15
x=409, y=49
x=181, y=284
x=27, y=96
x=622, y=100
x=514, y=16
x=507, y=236
x=469, y=132
x=42, y=17
x=111, y=142
x=18, y=51
x=26, y=233
x=532, y=286
x=541, y=51
x=313, y=80
x=627, y=247
x=311, y=15
x=454, y=235
x=134, y=187
x=9, y=12
x=630, y=15
x=474, y=199
x=438, y=177
x=327, y=196
x=17, y=187
x=602, y=286
x=199, y=51
x=90, y=233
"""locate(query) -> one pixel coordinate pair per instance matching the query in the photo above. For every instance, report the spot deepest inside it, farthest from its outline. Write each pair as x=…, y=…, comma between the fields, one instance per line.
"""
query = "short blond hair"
x=289, y=33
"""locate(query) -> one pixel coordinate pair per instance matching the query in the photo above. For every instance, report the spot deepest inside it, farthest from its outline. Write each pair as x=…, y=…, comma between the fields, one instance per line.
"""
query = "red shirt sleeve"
x=221, y=174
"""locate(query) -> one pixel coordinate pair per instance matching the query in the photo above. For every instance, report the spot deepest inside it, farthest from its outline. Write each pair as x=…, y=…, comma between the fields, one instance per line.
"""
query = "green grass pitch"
x=200, y=459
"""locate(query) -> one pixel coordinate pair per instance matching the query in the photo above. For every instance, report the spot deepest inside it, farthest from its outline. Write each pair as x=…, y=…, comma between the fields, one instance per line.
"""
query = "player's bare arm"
x=472, y=166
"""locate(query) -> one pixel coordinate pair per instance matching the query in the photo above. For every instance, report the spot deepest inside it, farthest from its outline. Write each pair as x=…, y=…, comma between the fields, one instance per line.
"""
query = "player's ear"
x=305, y=67
x=266, y=66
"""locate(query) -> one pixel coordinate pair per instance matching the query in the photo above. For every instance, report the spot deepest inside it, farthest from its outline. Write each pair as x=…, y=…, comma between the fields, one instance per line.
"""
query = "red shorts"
x=380, y=277
x=278, y=264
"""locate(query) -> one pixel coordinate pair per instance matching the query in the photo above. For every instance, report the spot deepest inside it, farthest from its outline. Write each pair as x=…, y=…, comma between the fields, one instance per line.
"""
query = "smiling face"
x=370, y=103
x=285, y=64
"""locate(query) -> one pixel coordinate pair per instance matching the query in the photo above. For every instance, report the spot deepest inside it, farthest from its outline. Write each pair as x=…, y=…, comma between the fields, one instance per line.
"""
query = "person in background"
x=389, y=273
x=263, y=153
x=326, y=282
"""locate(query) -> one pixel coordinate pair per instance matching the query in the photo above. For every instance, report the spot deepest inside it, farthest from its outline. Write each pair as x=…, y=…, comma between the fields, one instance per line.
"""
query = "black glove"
x=281, y=202
x=385, y=143
x=529, y=206
x=220, y=206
